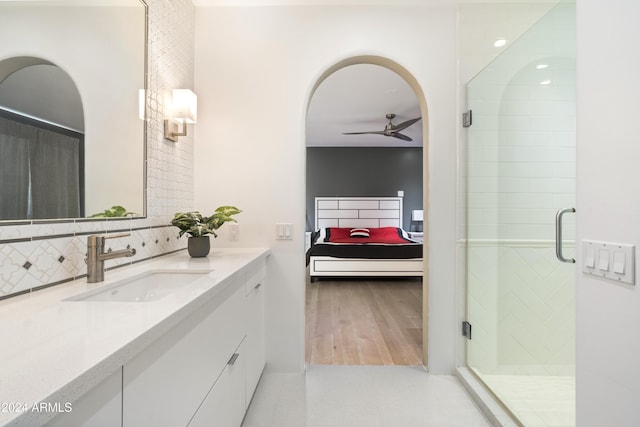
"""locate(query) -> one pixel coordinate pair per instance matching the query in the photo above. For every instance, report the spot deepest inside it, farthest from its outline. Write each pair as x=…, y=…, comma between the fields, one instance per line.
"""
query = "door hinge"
x=466, y=329
x=467, y=119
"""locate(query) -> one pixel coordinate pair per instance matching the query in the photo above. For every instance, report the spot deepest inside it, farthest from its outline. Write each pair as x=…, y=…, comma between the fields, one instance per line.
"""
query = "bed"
x=362, y=236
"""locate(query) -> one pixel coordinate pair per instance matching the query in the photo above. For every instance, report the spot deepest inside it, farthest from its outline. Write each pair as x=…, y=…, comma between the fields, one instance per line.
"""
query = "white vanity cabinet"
x=204, y=371
x=100, y=407
x=167, y=382
x=225, y=405
x=255, y=345
x=192, y=357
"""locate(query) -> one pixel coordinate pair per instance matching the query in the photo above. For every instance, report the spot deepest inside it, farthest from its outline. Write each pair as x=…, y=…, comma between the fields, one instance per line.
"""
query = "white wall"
x=608, y=151
x=255, y=69
x=481, y=24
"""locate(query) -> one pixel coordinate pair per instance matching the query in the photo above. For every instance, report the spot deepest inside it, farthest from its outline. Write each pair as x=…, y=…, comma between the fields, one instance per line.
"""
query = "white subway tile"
x=513, y=185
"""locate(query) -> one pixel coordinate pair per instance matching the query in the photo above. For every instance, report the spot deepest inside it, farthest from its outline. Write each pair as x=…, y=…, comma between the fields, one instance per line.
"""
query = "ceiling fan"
x=390, y=129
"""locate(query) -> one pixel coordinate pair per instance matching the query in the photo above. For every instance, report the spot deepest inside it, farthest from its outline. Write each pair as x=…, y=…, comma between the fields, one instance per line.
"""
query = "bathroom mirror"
x=78, y=66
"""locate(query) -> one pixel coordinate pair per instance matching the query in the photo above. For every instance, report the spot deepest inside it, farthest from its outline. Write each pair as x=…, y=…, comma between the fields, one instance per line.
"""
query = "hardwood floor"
x=364, y=322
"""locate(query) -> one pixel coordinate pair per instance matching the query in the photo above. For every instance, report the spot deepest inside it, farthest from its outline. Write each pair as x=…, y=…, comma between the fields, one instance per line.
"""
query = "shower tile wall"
x=523, y=314
x=520, y=165
x=41, y=254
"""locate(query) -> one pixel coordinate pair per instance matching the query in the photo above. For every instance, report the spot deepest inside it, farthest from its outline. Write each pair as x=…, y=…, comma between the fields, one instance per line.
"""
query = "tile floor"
x=362, y=396
x=537, y=401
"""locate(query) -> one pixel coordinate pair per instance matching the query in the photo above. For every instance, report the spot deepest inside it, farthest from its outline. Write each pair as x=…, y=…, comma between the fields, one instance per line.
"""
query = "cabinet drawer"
x=166, y=383
x=224, y=406
x=254, y=342
x=256, y=276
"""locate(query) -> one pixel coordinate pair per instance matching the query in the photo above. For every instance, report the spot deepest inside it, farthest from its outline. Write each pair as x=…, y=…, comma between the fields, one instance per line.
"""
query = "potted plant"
x=114, y=212
x=198, y=227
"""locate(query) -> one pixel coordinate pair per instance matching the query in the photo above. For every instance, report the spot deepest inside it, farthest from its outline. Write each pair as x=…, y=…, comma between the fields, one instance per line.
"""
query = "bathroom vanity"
x=175, y=341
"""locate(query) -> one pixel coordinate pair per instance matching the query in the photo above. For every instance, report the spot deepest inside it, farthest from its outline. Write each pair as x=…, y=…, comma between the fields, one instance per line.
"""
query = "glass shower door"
x=520, y=168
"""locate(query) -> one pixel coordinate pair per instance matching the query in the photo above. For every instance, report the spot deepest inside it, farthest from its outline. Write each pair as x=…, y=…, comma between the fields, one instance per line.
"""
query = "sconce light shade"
x=185, y=106
x=184, y=110
x=142, y=94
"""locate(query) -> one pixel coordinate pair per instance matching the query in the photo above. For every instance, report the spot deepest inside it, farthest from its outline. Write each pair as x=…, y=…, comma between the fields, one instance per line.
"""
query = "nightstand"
x=418, y=236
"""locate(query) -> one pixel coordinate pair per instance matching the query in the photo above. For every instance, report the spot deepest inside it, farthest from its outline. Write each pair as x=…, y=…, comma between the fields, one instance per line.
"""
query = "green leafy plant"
x=197, y=225
x=114, y=212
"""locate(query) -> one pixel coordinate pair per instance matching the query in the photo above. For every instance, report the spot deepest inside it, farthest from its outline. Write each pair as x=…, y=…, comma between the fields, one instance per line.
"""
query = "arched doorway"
x=422, y=130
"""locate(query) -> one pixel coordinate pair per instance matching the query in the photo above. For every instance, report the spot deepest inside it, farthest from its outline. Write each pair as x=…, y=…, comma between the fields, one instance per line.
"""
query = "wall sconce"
x=417, y=216
x=142, y=103
x=185, y=110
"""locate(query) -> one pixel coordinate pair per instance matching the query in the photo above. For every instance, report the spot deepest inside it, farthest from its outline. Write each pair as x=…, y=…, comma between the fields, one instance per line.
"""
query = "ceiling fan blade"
x=405, y=125
x=401, y=136
x=378, y=132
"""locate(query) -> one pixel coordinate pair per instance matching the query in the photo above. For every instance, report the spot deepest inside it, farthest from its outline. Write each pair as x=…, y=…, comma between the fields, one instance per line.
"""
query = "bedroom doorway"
x=360, y=316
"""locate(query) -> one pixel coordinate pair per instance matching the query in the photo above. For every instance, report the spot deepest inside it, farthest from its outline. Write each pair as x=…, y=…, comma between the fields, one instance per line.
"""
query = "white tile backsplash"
x=34, y=255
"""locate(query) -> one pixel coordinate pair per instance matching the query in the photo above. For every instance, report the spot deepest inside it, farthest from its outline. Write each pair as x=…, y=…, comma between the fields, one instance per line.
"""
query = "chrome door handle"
x=559, y=216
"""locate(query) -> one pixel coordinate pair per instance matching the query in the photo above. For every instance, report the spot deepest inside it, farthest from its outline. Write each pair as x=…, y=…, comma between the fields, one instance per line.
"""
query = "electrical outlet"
x=234, y=232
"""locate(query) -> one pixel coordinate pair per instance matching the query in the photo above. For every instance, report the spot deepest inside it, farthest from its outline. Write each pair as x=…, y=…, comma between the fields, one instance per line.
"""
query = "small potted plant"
x=114, y=212
x=199, y=227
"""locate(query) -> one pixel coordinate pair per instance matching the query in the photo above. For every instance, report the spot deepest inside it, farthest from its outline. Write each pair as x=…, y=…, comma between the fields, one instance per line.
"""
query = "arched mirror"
x=71, y=137
x=41, y=142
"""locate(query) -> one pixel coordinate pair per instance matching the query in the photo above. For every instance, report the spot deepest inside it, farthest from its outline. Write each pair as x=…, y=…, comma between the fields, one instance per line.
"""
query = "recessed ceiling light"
x=500, y=42
x=541, y=66
x=545, y=82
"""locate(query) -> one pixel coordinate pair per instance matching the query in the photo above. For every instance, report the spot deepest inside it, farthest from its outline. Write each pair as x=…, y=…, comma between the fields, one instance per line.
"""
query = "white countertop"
x=55, y=351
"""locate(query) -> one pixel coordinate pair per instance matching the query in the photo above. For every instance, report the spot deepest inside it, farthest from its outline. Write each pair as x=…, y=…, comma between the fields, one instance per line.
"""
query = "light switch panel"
x=603, y=260
x=284, y=231
x=611, y=261
x=589, y=256
x=618, y=262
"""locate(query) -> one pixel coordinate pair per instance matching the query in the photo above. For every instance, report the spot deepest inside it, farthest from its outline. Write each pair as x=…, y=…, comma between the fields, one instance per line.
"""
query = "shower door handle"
x=559, y=216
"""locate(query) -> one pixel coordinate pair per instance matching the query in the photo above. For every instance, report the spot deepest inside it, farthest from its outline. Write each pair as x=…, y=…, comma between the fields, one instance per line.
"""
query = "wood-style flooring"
x=364, y=322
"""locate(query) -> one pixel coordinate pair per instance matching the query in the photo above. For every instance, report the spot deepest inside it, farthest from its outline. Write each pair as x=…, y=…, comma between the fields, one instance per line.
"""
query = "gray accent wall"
x=365, y=172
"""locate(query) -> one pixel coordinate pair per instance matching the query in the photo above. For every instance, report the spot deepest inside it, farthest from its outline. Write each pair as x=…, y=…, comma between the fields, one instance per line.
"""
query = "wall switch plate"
x=284, y=231
x=613, y=261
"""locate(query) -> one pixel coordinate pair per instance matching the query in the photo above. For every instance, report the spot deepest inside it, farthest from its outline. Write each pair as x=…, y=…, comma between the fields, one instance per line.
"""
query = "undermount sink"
x=145, y=287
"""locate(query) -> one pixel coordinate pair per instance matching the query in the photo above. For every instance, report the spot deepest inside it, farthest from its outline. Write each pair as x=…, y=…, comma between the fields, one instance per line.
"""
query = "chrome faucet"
x=96, y=256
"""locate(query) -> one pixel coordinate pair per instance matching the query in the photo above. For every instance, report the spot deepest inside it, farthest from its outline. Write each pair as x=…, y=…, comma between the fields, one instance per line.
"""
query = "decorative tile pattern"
x=523, y=313
x=55, y=251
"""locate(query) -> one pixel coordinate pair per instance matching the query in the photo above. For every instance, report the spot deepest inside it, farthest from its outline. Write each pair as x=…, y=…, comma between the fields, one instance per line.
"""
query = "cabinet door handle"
x=257, y=286
x=233, y=359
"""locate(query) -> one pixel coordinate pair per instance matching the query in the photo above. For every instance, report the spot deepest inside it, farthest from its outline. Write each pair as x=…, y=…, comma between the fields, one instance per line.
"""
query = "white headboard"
x=358, y=212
